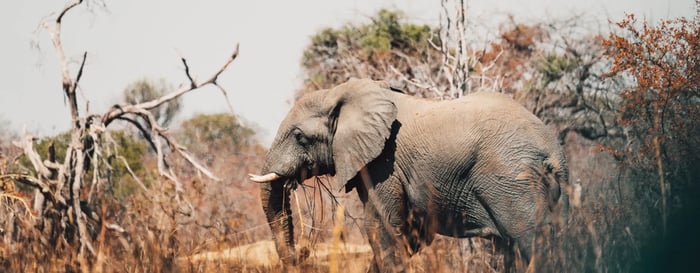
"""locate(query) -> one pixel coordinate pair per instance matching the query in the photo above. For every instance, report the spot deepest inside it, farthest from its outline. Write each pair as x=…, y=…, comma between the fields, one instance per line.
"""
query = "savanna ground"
x=119, y=193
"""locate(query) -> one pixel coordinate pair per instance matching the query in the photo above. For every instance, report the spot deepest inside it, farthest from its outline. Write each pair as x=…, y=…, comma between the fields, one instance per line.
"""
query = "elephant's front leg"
x=387, y=243
x=385, y=214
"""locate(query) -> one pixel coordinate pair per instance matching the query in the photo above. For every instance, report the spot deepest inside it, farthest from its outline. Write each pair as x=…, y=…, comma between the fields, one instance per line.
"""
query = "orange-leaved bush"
x=661, y=106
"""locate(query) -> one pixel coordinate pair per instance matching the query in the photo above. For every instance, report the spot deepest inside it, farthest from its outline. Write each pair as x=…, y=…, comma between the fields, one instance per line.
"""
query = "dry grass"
x=262, y=257
x=447, y=255
x=607, y=233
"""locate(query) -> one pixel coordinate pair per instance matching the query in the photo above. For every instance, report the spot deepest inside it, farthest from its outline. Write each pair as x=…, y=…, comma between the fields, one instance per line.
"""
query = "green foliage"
x=386, y=32
x=145, y=90
x=365, y=46
x=208, y=132
x=121, y=183
x=133, y=151
x=327, y=38
x=60, y=144
x=553, y=66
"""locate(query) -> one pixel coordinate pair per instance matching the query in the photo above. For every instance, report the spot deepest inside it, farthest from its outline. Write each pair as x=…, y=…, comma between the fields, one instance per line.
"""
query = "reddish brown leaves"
x=663, y=63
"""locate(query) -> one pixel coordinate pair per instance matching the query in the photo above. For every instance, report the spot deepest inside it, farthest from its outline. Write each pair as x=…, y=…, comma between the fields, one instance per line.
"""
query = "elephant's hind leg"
x=512, y=205
x=513, y=259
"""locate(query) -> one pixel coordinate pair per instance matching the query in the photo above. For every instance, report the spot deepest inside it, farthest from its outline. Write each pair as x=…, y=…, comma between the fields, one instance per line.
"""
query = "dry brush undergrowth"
x=174, y=219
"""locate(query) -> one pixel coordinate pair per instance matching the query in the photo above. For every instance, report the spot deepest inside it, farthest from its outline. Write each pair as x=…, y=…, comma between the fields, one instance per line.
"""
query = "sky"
x=128, y=40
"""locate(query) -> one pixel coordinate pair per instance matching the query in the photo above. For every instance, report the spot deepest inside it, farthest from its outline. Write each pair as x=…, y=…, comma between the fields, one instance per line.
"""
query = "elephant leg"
x=517, y=211
x=524, y=245
x=385, y=214
x=511, y=259
x=387, y=243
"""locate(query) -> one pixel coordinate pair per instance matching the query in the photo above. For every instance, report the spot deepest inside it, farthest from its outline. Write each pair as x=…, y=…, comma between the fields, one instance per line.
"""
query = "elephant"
x=481, y=165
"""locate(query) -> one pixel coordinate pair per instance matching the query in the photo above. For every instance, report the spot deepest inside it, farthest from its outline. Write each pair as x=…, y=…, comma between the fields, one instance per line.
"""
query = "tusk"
x=264, y=178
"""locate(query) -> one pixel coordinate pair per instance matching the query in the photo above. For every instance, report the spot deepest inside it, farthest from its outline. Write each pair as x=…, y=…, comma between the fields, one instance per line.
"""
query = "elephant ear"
x=361, y=120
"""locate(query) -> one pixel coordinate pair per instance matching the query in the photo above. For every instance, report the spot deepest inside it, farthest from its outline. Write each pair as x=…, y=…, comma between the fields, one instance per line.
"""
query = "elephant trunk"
x=275, y=202
x=281, y=164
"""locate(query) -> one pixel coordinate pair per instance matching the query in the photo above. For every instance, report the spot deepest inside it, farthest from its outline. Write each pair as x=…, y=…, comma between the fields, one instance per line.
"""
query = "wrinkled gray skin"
x=481, y=165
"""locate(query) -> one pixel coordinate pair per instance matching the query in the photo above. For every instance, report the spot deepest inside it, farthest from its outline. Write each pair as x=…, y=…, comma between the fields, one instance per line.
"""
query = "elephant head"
x=335, y=131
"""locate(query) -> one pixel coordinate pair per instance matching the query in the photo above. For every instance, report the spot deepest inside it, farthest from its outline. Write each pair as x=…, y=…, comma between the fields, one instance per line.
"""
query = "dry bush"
x=557, y=69
x=161, y=226
x=79, y=206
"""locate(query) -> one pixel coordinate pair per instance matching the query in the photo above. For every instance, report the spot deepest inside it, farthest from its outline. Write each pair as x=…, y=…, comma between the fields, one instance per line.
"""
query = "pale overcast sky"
x=133, y=39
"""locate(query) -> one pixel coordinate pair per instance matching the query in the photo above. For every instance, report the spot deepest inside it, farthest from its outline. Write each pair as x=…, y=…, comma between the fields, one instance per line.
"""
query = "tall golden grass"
x=604, y=234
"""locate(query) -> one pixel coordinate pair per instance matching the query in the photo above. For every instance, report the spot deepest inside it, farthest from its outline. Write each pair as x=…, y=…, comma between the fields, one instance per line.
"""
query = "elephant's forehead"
x=303, y=109
x=309, y=103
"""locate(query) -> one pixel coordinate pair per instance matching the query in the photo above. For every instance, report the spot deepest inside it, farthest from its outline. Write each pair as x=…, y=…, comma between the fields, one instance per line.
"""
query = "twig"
x=221, y=70
x=417, y=84
x=228, y=101
x=149, y=105
x=27, y=180
x=141, y=109
x=27, y=209
x=144, y=132
x=183, y=152
x=80, y=72
x=193, y=85
x=303, y=242
x=66, y=9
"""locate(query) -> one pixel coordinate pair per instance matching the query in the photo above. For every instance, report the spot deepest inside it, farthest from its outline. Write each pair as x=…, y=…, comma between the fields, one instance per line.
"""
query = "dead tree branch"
x=157, y=132
x=149, y=105
x=63, y=185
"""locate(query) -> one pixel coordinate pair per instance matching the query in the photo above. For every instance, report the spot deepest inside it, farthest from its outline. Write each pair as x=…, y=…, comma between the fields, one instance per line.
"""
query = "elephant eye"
x=300, y=137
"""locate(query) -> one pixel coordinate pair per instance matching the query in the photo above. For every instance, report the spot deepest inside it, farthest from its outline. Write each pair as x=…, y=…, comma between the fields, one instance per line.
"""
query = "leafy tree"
x=550, y=68
x=229, y=148
x=661, y=107
x=555, y=69
x=212, y=135
x=385, y=48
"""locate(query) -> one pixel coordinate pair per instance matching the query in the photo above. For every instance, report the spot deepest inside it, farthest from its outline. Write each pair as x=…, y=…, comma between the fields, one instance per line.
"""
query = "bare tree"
x=143, y=90
x=453, y=35
x=63, y=189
